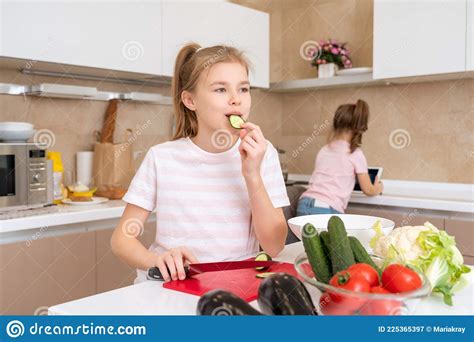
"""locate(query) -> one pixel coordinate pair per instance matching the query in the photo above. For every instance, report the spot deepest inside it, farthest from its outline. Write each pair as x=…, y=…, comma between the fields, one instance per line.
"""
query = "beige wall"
x=73, y=122
x=436, y=117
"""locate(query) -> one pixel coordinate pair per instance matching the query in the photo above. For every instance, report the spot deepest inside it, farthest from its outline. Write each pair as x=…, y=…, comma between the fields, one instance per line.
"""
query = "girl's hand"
x=378, y=186
x=252, y=149
x=171, y=263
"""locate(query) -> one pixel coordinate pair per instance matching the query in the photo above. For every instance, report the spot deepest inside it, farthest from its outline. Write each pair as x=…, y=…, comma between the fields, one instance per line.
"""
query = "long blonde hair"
x=192, y=60
x=353, y=117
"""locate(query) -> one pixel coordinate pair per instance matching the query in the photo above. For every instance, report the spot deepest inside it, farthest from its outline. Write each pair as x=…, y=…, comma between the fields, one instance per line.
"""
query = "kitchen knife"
x=194, y=269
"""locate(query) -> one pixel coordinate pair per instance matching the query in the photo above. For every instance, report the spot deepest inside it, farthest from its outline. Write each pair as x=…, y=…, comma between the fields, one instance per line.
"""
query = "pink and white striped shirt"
x=201, y=199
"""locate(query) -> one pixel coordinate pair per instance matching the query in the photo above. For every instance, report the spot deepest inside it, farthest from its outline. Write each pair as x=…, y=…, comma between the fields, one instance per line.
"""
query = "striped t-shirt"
x=201, y=199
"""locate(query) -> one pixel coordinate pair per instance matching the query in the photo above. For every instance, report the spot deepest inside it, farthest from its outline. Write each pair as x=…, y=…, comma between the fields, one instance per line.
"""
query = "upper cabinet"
x=141, y=37
x=413, y=38
x=470, y=36
x=213, y=23
x=123, y=36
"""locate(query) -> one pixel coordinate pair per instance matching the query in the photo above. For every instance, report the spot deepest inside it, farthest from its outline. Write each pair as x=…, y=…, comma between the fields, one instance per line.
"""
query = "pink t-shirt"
x=201, y=199
x=334, y=173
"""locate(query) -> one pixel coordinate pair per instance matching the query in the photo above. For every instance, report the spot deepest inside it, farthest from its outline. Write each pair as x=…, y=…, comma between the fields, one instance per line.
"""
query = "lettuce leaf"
x=441, y=261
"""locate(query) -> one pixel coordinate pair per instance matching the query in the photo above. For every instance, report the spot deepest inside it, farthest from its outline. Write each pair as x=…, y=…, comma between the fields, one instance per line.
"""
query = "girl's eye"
x=220, y=90
x=245, y=90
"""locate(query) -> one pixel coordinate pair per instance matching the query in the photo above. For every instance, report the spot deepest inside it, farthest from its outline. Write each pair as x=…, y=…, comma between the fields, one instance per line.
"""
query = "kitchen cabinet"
x=470, y=36
x=413, y=38
x=463, y=231
x=217, y=22
x=42, y=272
x=140, y=37
x=111, y=272
x=124, y=36
x=401, y=217
x=461, y=228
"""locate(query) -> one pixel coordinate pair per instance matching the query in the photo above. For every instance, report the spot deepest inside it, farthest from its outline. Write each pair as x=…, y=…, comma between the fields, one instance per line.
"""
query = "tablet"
x=373, y=173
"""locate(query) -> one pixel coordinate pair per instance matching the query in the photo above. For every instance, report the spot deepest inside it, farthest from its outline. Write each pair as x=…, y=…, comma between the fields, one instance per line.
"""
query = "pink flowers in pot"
x=330, y=51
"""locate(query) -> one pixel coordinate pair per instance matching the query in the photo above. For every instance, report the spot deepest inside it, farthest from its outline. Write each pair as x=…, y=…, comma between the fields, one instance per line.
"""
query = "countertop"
x=448, y=197
x=60, y=215
x=150, y=298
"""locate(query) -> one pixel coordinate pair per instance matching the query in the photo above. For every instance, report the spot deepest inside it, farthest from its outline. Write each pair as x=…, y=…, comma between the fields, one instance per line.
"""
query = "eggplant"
x=283, y=294
x=224, y=303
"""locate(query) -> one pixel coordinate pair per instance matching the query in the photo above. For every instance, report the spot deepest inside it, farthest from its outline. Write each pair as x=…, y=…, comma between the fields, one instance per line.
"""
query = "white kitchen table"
x=150, y=298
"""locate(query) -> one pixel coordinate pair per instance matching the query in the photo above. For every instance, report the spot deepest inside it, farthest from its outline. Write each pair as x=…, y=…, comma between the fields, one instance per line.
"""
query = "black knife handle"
x=155, y=274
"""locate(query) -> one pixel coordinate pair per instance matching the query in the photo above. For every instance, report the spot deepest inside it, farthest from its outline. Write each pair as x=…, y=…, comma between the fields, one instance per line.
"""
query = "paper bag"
x=113, y=169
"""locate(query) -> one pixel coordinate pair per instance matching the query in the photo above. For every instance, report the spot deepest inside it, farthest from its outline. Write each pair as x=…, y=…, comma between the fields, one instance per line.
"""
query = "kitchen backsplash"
x=419, y=131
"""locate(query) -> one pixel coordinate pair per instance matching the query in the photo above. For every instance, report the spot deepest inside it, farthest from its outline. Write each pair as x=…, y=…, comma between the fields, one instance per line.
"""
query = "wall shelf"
x=357, y=80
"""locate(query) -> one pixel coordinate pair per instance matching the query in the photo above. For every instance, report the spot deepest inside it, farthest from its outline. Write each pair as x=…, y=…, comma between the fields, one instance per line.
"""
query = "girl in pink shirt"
x=218, y=191
x=338, y=163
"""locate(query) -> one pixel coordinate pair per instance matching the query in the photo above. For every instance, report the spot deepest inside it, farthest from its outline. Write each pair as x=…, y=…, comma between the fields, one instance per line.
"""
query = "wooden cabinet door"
x=112, y=273
x=211, y=23
x=42, y=272
x=115, y=35
x=463, y=231
x=413, y=38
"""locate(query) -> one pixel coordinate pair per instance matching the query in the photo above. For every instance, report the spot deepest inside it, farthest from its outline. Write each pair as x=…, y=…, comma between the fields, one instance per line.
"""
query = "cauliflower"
x=401, y=241
x=427, y=249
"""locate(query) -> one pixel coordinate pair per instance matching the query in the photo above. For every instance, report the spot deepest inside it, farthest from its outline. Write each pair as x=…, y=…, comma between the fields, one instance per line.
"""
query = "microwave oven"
x=26, y=176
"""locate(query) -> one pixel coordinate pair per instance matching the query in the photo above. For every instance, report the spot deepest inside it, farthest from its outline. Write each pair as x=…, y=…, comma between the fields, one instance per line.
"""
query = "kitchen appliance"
x=241, y=282
x=25, y=176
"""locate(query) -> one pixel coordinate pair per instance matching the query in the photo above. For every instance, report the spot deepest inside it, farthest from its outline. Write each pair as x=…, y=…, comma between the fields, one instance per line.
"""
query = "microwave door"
x=13, y=181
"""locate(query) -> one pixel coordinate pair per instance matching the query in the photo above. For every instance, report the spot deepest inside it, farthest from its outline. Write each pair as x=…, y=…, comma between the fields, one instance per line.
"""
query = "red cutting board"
x=242, y=282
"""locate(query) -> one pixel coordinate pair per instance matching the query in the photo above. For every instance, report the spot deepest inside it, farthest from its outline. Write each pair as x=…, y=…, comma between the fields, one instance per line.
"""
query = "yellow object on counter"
x=59, y=191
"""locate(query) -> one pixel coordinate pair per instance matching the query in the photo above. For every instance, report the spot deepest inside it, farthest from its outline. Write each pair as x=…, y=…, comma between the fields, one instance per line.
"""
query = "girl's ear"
x=188, y=100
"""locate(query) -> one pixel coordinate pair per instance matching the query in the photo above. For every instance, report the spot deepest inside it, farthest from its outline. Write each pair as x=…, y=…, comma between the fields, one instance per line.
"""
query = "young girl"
x=338, y=163
x=217, y=190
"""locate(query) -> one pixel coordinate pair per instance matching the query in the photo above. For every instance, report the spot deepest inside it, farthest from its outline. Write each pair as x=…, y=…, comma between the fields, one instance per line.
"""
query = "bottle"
x=59, y=191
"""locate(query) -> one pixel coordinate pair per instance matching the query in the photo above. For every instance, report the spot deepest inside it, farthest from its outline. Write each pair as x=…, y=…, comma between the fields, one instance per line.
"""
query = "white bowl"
x=16, y=136
x=359, y=226
x=15, y=126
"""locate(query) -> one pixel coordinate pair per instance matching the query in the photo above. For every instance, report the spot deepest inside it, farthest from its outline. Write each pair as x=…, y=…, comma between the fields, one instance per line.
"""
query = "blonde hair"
x=191, y=62
x=352, y=117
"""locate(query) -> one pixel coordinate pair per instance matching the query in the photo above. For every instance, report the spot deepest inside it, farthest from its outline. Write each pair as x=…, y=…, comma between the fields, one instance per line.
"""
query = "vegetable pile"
x=427, y=249
x=342, y=262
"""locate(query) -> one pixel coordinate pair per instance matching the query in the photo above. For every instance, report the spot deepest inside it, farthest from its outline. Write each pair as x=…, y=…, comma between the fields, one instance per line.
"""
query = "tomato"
x=398, y=278
x=329, y=307
x=379, y=307
x=366, y=271
x=344, y=280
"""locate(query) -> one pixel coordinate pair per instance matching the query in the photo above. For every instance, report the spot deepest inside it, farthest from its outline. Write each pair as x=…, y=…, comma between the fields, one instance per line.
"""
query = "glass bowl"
x=337, y=301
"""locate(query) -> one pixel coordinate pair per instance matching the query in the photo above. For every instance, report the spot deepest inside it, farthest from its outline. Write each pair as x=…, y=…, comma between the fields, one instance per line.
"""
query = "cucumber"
x=317, y=258
x=360, y=254
x=262, y=256
x=236, y=121
x=340, y=247
x=324, y=235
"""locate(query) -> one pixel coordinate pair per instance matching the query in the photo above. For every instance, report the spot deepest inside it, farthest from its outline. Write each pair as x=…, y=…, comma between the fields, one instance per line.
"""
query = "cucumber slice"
x=236, y=121
x=262, y=256
x=264, y=274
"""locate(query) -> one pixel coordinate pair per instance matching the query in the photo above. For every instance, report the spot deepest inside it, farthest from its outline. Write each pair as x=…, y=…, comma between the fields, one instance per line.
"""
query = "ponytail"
x=354, y=118
x=186, y=120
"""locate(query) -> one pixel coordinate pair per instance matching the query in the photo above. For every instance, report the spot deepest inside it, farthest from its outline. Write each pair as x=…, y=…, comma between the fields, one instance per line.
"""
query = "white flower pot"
x=327, y=70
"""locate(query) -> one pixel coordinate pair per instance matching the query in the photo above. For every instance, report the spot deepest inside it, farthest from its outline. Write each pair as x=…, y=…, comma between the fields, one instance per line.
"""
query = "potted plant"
x=328, y=56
